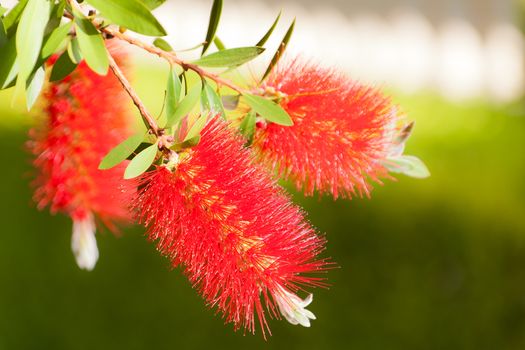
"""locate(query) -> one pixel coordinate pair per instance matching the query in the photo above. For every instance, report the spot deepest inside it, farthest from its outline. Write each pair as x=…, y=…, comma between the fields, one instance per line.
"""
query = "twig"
x=146, y=116
x=172, y=59
x=165, y=141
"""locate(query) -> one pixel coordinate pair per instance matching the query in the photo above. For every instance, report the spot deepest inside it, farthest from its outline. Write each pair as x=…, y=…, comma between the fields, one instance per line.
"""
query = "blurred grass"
x=433, y=264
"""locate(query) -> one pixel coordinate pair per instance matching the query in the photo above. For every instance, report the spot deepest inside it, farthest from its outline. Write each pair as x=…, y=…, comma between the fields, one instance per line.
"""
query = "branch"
x=148, y=119
x=172, y=59
x=164, y=140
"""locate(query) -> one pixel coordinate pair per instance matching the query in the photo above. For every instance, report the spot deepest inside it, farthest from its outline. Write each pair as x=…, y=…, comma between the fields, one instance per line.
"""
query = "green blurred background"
x=425, y=264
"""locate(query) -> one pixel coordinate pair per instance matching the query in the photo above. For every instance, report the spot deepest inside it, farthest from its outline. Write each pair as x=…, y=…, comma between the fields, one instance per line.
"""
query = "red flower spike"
x=240, y=240
x=342, y=131
x=85, y=117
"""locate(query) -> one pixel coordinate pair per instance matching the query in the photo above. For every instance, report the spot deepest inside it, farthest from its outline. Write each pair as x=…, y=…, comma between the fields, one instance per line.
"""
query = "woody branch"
x=172, y=59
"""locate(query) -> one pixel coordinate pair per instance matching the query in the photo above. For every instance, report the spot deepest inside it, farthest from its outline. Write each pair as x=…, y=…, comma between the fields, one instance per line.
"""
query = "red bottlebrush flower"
x=85, y=116
x=240, y=240
x=342, y=130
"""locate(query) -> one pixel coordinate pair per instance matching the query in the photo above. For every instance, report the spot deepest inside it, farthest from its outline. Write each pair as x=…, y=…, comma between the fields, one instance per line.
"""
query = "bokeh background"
x=424, y=264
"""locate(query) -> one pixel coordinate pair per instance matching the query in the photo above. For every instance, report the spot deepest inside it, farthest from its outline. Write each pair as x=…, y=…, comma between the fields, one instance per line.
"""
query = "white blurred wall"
x=461, y=48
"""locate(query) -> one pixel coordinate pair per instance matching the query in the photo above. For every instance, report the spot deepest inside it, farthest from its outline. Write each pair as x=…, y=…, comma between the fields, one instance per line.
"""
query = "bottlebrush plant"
x=203, y=178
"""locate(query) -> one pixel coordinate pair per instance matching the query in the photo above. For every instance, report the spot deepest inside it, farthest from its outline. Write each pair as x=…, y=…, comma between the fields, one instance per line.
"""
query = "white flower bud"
x=293, y=308
x=84, y=243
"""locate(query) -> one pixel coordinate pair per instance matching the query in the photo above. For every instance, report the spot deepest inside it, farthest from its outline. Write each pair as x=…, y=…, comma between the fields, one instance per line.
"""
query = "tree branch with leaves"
x=202, y=179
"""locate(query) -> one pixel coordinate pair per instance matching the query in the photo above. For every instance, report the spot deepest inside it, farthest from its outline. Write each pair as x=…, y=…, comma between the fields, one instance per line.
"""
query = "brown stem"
x=164, y=140
x=148, y=119
x=173, y=59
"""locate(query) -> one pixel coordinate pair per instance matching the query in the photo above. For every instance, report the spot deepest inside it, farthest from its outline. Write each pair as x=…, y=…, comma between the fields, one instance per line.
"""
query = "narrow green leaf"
x=55, y=17
x=131, y=14
x=8, y=63
x=230, y=57
x=2, y=10
x=280, y=50
x=73, y=50
x=14, y=16
x=191, y=48
x=152, y=4
x=56, y=40
x=196, y=128
x=140, y=148
x=268, y=109
x=163, y=45
x=58, y=11
x=407, y=165
x=230, y=102
x=121, y=152
x=215, y=16
x=185, y=106
x=266, y=36
x=35, y=83
x=194, y=141
x=218, y=43
x=247, y=127
x=29, y=36
x=91, y=45
x=141, y=162
x=3, y=34
x=62, y=67
x=173, y=91
x=211, y=101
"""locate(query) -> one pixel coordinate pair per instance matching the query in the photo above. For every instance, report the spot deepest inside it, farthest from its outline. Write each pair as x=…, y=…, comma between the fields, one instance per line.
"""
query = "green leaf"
x=408, y=165
x=14, y=16
x=266, y=36
x=35, y=83
x=185, y=106
x=163, y=45
x=121, y=152
x=131, y=14
x=218, y=43
x=2, y=10
x=8, y=63
x=230, y=57
x=3, y=34
x=91, y=45
x=280, y=50
x=141, y=162
x=152, y=4
x=56, y=40
x=143, y=145
x=247, y=127
x=194, y=141
x=73, y=50
x=29, y=36
x=211, y=101
x=215, y=16
x=173, y=91
x=196, y=128
x=191, y=48
x=55, y=17
x=230, y=102
x=268, y=109
x=62, y=67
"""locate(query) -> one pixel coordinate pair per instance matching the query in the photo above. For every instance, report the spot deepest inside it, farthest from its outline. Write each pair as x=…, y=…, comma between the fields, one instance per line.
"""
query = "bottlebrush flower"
x=239, y=239
x=342, y=130
x=84, y=116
